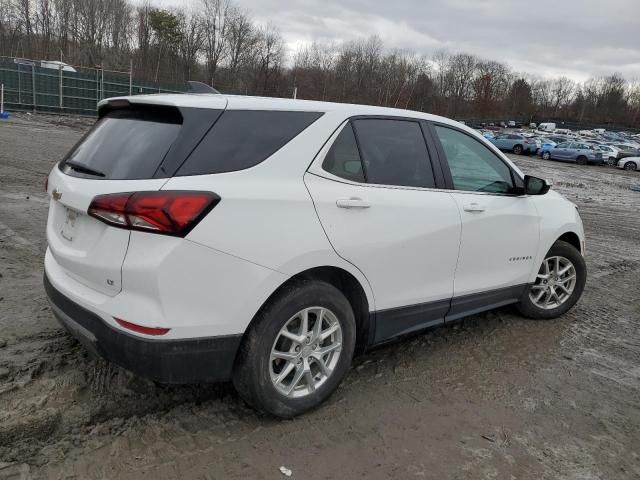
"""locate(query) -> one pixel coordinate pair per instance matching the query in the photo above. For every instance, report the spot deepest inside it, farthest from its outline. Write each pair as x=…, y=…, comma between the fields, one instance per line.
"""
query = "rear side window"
x=125, y=144
x=343, y=159
x=243, y=138
x=394, y=152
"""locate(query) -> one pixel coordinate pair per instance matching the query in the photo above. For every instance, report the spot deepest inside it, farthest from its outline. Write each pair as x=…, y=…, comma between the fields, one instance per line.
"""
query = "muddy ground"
x=495, y=396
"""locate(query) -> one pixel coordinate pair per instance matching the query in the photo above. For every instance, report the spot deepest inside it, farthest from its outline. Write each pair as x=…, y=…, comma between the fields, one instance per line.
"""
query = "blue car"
x=515, y=143
x=546, y=145
x=581, y=153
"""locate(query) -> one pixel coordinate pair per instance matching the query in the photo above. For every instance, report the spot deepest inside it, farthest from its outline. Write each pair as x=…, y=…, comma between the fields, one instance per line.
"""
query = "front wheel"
x=612, y=161
x=581, y=160
x=297, y=351
x=546, y=155
x=517, y=149
x=558, y=286
x=630, y=166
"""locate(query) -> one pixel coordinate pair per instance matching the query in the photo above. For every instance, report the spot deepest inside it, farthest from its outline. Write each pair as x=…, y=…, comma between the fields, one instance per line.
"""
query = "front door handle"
x=473, y=207
x=352, y=202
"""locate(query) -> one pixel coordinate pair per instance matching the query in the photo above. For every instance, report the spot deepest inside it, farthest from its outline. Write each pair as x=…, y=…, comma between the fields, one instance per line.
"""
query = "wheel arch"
x=344, y=281
x=571, y=238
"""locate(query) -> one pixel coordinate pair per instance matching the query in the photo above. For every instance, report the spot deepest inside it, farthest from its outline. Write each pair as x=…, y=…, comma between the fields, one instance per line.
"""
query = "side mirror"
x=535, y=185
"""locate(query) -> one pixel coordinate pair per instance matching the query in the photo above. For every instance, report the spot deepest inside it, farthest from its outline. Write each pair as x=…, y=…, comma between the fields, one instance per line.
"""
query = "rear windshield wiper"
x=79, y=167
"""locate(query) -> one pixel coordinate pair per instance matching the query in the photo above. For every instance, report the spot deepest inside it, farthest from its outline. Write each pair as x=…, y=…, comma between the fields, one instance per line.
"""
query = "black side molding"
x=395, y=322
x=481, y=302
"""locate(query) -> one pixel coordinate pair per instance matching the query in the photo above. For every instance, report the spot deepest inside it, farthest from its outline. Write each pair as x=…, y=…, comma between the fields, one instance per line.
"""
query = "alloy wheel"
x=305, y=352
x=554, y=283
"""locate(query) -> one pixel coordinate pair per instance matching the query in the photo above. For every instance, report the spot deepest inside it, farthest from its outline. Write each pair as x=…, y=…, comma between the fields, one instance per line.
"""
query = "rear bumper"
x=167, y=361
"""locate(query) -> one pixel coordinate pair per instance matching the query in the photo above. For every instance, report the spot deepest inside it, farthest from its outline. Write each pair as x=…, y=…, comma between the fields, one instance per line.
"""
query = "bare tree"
x=215, y=16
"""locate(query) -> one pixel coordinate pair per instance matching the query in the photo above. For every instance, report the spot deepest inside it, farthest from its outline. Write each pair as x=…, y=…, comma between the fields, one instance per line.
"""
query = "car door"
x=500, y=226
x=500, y=141
x=378, y=201
x=560, y=151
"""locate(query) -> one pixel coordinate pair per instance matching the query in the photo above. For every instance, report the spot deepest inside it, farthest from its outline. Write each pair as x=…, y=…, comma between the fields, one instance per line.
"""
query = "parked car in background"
x=581, y=153
x=557, y=138
x=610, y=154
x=516, y=143
x=533, y=125
x=487, y=134
x=629, y=163
x=57, y=65
x=511, y=124
x=547, y=127
x=546, y=144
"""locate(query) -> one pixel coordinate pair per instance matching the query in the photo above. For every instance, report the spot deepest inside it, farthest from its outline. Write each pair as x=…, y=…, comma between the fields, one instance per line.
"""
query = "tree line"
x=218, y=43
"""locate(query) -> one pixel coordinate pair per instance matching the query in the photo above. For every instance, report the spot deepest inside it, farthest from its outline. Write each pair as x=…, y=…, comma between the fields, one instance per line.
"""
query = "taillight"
x=166, y=212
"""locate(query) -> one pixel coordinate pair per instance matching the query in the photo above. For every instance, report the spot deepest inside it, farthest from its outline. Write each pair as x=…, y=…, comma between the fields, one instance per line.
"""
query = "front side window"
x=343, y=158
x=394, y=152
x=474, y=168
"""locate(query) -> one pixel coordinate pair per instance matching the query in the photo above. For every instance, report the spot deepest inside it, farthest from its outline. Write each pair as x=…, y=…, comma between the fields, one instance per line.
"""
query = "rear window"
x=241, y=139
x=127, y=144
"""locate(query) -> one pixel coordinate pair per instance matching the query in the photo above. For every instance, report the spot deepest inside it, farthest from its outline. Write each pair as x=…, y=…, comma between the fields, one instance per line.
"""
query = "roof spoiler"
x=199, y=87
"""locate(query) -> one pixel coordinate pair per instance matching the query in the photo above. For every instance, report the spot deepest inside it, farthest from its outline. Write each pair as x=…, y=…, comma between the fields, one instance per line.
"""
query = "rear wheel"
x=630, y=166
x=581, y=160
x=558, y=286
x=298, y=350
x=546, y=155
x=517, y=149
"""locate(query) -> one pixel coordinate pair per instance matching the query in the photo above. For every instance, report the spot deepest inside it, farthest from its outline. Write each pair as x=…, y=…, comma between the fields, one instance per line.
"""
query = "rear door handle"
x=352, y=202
x=473, y=207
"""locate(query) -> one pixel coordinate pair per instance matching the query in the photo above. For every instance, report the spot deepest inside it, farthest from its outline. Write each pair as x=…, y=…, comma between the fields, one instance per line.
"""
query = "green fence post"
x=60, y=94
x=33, y=86
x=19, y=85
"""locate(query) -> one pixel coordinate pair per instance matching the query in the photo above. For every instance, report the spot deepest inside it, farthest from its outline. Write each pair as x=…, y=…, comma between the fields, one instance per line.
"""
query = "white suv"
x=199, y=238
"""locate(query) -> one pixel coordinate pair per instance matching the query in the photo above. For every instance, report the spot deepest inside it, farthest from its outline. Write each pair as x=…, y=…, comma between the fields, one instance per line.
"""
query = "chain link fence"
x=55, y=87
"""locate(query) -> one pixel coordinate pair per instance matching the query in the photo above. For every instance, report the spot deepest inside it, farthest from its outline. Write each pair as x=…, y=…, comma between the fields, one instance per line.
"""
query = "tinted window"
x=343, y=159
x=515, y=137
x=242, y=138
x=473, y=166
x=125, y=144
x=394, y=153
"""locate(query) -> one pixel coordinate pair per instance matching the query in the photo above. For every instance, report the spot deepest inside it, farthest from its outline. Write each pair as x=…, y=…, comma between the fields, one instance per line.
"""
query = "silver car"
x=629, y=163
x=581, y=153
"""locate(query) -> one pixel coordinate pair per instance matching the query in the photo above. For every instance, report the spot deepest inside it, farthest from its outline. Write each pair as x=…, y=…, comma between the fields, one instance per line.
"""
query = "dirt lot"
x=495, y=396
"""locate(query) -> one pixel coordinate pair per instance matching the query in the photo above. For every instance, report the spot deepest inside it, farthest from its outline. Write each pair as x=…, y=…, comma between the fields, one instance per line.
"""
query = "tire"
x=630, y=166
x=528, y=308
x=581, y=160
x=612, y=161
x=546, y=155
x=255, y=368
x=517, y=149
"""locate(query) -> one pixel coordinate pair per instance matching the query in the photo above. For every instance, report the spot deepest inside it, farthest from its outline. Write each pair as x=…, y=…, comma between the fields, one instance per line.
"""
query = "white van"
x=547, y=127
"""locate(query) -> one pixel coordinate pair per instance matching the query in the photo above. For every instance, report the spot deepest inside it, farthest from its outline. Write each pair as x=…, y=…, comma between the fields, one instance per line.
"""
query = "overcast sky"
x=576, y=38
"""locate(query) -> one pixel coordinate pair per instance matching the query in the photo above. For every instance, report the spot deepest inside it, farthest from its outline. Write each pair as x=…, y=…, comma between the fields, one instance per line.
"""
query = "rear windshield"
x=243, y=138
x=127, y=144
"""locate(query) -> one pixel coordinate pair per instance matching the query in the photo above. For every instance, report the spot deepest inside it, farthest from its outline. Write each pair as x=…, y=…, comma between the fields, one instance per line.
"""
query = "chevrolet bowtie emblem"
x=56, y=194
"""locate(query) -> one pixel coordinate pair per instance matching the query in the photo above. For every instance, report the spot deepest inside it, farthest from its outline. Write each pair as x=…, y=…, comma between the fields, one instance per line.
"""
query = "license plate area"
x=68, y=229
